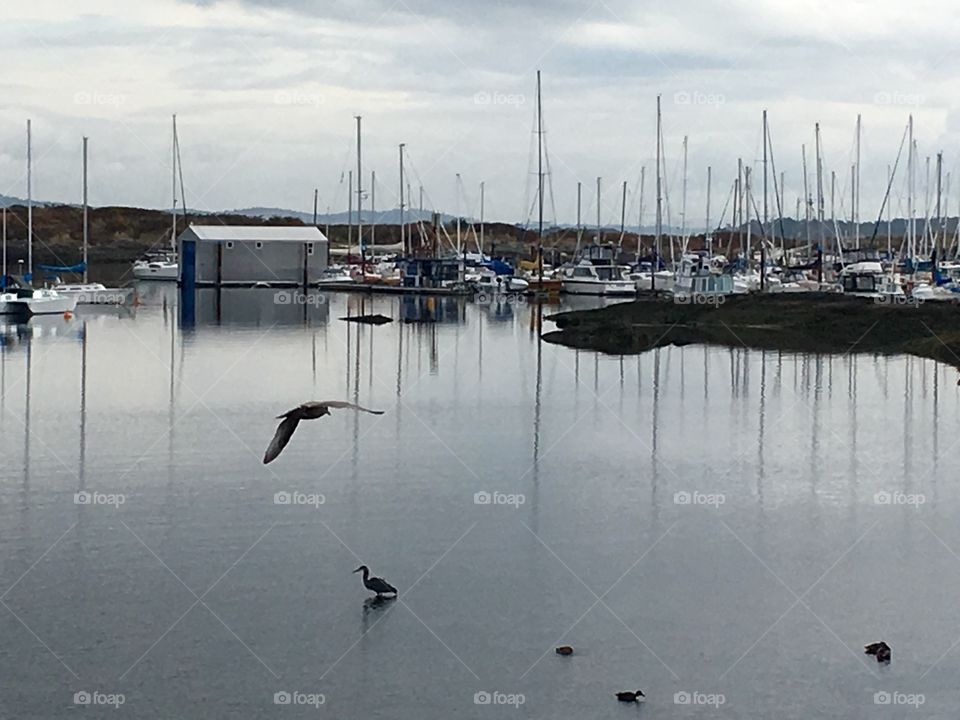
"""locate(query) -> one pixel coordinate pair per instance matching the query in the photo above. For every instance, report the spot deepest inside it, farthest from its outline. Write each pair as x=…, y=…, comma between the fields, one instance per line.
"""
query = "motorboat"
x=585, y=278
x=697, y=279
x=662, y=280
x=868, y=278
x=487, y=280
x=596, y=273
x=162, y=267
x=334, y=274
x=27, y=301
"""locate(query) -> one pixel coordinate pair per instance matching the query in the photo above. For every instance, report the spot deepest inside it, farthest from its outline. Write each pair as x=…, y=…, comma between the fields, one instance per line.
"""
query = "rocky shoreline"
x=801, y=322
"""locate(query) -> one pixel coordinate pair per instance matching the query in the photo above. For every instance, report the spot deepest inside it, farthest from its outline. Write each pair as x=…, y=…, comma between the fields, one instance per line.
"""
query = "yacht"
x=27, y=301
x=697, y=279
x=334, y=274
x=640, y=275
x=164, y=267
x=869, y=279
x=596, y=273
x=487, y=280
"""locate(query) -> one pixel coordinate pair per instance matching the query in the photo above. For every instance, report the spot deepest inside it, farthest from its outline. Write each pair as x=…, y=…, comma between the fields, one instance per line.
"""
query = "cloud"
x=266, y=93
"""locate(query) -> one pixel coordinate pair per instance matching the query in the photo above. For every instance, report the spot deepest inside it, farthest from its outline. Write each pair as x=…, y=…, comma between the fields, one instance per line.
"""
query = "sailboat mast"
x=683, y=200
x=579, y=223
x=765, y=217
x=403, y=246
x=806, y=199
x=539, y=184
x=599, y=231
x=911, y=226
x=316, y=197
x=819, y=183
x=85, y=225
x=363, y=251
x=173, y=185
x=889, y=221
x=856, y=191
x=349, y=211
x=482, y=184
x=3, y=280
x=643, y=172
x=707, y=235
x=623, y=213
x=373, y=208
x=659, y=221
x=29, y=203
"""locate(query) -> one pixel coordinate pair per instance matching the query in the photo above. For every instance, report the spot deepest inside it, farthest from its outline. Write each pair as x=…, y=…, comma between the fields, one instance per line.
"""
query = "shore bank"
x=808, y=322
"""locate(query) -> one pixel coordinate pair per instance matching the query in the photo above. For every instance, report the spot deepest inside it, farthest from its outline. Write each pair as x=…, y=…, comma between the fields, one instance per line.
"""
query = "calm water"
x=200, y=596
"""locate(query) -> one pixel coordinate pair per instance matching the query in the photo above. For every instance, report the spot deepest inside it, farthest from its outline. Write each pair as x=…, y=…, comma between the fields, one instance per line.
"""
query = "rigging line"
x=893, y=174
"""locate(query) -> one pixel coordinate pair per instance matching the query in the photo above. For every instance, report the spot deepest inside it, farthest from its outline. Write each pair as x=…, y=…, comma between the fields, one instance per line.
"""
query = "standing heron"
x=375, y=584
x=311, y=410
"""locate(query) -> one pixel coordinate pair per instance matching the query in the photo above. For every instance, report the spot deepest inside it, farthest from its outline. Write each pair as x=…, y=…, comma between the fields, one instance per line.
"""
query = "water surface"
x=691, y=520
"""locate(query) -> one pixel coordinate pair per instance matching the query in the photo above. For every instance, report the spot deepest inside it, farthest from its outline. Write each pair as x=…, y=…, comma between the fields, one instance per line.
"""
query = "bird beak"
x=357, y=570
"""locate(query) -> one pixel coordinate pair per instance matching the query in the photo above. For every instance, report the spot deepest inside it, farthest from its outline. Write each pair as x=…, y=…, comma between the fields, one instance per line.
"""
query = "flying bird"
x=375, y=584
x=308, y=411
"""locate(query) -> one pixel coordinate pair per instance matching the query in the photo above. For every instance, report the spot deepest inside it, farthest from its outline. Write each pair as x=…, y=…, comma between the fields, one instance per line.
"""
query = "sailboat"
x=20, y=297
x=86, y=292
x=537, y=282
x=164, y=265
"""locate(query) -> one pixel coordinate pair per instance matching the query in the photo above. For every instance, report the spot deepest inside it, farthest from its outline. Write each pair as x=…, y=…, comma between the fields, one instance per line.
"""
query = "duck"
x=564, y=650
x=630, y=696
x=880, y=649
x=378, y=585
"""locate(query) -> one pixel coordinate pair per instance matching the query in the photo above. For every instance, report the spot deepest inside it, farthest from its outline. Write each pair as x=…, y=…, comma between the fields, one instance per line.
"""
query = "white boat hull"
x=156, y=271
x=574, y=286
x=96, y=294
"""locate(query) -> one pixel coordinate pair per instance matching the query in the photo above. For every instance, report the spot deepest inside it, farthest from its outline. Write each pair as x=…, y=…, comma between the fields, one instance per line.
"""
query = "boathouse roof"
x=256, y=233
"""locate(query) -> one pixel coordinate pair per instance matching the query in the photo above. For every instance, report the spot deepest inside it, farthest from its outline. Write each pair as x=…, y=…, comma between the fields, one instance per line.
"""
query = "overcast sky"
x=266, y=91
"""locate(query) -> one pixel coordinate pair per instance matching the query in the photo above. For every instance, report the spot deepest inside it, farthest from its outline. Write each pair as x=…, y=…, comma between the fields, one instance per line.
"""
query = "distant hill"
x=382, y=217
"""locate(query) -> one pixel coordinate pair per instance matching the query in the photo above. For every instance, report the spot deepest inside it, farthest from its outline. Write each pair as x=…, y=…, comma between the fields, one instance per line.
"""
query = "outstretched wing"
x=348, y=406
x=280, y=438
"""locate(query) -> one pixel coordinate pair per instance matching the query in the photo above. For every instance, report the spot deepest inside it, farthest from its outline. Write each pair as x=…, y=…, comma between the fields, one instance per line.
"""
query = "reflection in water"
x=796, y=492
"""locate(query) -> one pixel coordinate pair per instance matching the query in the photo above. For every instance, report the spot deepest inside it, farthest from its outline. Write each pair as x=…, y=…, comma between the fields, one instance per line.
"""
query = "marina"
x=521, y=360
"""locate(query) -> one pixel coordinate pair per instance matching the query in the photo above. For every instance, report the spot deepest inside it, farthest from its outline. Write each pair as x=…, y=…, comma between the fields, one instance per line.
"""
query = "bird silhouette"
x=311, y=410
x=375, y=584
x=880, y=649
x=630, y=696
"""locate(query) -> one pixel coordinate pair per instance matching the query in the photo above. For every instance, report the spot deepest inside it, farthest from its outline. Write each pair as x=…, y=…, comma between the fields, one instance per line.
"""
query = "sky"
x=266, y=93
